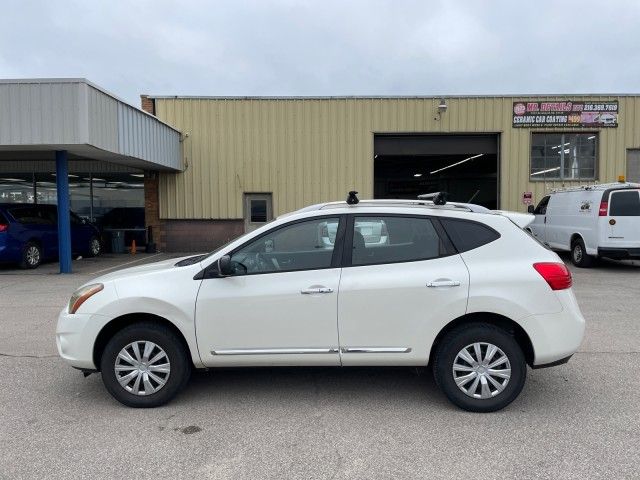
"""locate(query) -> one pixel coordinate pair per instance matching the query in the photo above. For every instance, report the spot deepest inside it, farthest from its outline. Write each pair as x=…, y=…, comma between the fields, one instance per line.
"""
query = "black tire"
x=167, y=340
x=31, y=256
x=579, y=255
x=95, y=247
x=459, y=338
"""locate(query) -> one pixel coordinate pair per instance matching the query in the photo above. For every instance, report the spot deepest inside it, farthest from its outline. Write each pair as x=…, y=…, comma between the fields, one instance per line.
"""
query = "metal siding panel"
x=307, y=151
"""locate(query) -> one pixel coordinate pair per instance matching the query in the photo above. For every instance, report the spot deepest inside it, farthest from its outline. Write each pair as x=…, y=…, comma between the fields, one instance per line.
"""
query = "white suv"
x=469, y=293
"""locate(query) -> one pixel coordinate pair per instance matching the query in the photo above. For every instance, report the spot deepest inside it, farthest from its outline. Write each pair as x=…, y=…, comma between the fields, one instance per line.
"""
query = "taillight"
x=604, y=206
x=555, y=274
x=4, y=227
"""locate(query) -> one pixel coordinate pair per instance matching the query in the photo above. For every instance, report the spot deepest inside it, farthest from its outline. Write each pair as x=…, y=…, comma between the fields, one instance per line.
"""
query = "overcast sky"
x=289, y=47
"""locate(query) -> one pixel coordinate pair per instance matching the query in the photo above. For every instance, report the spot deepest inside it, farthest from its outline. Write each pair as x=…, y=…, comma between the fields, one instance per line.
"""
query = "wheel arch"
x=495, y=319
x=574, y=237
x=118, y=323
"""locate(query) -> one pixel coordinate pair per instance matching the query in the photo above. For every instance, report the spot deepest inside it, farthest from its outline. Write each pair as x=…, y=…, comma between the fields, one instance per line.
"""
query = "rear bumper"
x=619, y=253
x=556, y=336
x=562, y=361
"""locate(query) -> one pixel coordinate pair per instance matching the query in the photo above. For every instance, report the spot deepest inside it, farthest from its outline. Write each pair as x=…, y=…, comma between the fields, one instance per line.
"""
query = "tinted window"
x=394, y=239
x=625, y=204
x=467, y=235
x=301, y=246
x=31, y=216
x=3, y=219
x=258, y=211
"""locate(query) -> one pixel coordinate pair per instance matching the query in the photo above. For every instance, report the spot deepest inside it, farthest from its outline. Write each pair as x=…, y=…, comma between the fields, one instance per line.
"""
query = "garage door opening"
x=465, y=166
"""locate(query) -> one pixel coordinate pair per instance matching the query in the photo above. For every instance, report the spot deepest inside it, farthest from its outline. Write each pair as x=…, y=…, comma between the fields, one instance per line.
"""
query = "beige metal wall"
x=313, y=150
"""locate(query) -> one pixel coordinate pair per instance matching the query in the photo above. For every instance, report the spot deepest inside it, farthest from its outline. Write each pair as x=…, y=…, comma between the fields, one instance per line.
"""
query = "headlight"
x=82, y=295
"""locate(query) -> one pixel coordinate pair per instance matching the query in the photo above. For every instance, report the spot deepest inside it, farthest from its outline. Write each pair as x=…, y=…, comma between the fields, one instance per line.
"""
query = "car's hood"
x=165, y=265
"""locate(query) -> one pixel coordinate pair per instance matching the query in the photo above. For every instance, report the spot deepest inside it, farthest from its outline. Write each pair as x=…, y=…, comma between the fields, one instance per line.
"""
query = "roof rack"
x=596, y=187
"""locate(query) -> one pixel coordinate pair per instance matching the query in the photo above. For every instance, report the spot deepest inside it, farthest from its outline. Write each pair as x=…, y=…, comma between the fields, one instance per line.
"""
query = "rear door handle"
x=443, y=283
x=314, y=290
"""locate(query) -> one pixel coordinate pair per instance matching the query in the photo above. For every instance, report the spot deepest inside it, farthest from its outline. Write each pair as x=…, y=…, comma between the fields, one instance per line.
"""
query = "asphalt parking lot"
x=579, y=421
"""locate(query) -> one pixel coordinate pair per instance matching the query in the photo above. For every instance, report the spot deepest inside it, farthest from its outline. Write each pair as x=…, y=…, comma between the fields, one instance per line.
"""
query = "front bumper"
x=619, y=253
x=75, y=337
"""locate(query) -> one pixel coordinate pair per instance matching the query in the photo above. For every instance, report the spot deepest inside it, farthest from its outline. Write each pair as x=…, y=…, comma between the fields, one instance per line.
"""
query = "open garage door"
x=465, y=166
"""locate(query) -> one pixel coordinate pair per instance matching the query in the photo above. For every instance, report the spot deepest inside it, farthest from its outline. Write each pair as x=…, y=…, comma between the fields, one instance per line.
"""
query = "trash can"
x=117, y=241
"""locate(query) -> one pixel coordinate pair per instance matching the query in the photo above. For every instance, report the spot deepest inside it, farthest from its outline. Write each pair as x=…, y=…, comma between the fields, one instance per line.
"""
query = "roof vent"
x=352, y=199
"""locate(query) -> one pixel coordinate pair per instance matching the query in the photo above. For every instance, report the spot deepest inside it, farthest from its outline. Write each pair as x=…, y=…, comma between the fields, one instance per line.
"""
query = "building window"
x=564, y=156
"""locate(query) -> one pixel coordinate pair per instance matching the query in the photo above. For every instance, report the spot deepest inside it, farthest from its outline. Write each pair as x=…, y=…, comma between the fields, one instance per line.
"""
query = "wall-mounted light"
x=442, y=106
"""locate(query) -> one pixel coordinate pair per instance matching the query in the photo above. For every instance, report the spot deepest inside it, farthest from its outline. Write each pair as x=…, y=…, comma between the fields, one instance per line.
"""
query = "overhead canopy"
x=39, y=117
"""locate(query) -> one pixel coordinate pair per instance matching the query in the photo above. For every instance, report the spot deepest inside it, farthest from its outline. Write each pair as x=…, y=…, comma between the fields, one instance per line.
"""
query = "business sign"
x=527, y=198
x=565, y=113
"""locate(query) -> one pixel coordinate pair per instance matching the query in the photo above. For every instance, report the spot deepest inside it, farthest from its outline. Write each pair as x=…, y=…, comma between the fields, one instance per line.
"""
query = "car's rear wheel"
x=95, y=247
x=480, y=367
x=145, y=365
x=31, y=255
x=579, y=255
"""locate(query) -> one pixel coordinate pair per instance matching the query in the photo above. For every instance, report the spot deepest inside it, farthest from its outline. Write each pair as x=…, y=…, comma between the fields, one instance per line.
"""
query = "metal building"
x=249, y=159
x=202, y=170
x=60, y=141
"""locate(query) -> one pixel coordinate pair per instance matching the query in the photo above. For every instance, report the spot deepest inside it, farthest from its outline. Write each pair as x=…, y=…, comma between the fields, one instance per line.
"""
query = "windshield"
x=208, y=255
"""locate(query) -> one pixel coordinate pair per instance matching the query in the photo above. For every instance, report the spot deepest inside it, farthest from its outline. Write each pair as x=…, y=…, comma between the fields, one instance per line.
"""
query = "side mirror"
x=224, y=266
x=531, y=209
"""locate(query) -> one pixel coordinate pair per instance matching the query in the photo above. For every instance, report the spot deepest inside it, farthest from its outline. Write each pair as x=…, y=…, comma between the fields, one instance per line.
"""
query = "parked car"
x=470, y=294
x=591, y=222
x=29, y=234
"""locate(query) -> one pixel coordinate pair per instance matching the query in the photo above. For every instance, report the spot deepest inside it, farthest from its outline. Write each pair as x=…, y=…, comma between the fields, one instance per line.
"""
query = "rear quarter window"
x=467, y=235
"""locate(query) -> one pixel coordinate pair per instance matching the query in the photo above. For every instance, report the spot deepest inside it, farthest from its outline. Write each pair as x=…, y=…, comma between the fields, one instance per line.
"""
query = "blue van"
x=29, y=235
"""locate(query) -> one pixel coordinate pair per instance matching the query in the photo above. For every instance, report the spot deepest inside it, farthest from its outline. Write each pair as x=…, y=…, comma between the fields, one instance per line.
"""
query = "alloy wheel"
x=481, y=370
x=142, y=368
x=577, y=253
x=95, y=246
x=33, y=255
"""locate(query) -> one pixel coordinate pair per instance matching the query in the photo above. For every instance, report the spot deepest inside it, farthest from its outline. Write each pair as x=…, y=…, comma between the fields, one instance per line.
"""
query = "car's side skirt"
x=301, y=351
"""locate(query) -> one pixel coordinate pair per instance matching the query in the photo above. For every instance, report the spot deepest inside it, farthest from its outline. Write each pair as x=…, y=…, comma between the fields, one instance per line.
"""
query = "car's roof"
x=601, y=187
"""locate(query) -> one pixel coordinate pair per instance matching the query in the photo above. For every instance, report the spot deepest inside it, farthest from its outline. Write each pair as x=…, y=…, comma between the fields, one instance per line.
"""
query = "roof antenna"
x=352, y=199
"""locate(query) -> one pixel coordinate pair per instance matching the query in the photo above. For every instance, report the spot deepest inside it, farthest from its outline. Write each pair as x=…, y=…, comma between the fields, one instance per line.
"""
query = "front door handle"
x=314, y=290
x=443, y=283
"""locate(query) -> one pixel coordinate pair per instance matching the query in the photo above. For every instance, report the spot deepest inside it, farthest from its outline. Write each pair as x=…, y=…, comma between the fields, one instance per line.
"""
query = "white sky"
x=326, y=47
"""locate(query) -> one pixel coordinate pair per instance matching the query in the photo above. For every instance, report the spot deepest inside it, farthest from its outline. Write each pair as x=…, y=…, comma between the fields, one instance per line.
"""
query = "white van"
x=590, y=221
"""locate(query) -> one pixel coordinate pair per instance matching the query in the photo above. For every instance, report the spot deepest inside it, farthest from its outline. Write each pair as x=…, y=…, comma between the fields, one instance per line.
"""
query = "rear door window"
x=467, y=235
x=625, y=204
x=30, y=216
x=388, y=239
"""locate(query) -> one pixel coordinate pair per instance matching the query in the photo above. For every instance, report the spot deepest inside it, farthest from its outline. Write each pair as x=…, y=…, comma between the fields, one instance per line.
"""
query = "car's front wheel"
x=480, y=367
x=145, y=365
